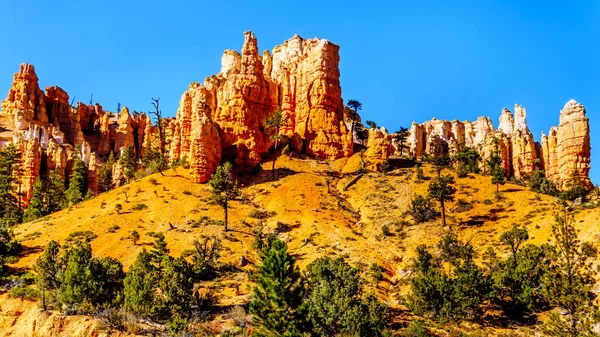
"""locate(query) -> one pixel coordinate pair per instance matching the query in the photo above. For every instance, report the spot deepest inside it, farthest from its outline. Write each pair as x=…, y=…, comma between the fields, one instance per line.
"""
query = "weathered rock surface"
x=564, y=154
x=379, y=148
x=566, y=150
x=301, y=76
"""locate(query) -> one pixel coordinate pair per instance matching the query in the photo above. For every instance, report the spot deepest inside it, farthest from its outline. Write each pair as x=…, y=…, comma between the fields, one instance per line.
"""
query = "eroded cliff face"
x=221, y=119
x=564, y=154
x=50, y=133
x=301, y=76
x=566, y=149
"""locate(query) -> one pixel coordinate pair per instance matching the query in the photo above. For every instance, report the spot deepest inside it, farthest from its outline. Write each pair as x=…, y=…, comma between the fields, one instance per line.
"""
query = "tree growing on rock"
x=400, y=137
x=442, y=189
x=224, y=188
x=354, y=106
x=274, y=123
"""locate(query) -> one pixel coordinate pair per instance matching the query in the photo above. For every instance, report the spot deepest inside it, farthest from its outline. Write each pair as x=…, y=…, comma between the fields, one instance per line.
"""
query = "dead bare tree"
x=161, y=131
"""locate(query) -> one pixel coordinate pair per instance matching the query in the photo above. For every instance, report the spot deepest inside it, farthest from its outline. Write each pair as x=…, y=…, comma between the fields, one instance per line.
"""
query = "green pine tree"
x=224, y=188
x=277, y=295
x=569, y=281
x=495, y=165
x=140, y=285
x=78, y=283
x=48, y=269
x=105, y=173
x=77, y=182
x=159, y=249
x=335, y=302
x=442, y=189
x=274, y=123
x=128, y=162
x=48, y=197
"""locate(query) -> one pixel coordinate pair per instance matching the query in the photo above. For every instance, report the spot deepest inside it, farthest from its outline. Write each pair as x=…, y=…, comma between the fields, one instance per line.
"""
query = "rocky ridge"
x=564, y=154
x=221, y=119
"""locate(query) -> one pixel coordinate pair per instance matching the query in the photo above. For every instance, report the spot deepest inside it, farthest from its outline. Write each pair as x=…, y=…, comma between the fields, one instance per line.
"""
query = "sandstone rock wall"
x=301, y=76
x=564, y=154
x=566, y=150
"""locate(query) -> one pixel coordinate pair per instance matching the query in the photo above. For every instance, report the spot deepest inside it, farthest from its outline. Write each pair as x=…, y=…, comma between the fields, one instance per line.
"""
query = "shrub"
x=186, y=192
x=462, y=206
x=377, y=272
x=447, y=295
x=262, y=213
x=417, y=328
x=85, y=236
x=153, y=181
x=336, y=304
x=422, y=209
x=385, y=230
x=118, y=208
x=135, y=236
x=205, y=256
x=139, y=207
x=24, y=293
x=461, y=170
x=113, y=228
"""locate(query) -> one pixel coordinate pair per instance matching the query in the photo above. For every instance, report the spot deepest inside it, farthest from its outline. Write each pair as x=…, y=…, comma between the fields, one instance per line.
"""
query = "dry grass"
x=309, y=209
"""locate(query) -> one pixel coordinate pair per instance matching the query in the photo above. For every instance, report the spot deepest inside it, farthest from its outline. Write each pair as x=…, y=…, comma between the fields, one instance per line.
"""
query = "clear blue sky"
x=404, y=60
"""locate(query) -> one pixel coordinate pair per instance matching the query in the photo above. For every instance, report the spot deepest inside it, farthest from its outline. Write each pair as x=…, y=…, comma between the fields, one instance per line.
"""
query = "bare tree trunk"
x=443, y=212
x=275, y=155
x=226, y=201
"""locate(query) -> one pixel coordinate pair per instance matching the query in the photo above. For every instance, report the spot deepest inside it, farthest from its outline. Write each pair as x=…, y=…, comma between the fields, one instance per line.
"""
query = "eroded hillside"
x=308, y=206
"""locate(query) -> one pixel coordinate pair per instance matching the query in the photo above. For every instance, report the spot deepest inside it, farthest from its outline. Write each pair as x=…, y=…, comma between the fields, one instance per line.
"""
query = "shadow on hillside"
x=264, y=176
x=26, y=251
x=508, y=190
x=479, y=220
x=502, y=321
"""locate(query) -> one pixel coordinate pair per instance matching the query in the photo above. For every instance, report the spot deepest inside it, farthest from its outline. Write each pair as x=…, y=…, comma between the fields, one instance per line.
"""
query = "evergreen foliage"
x=76, y=281
x=224, y=188
x=277, y=295
x=274, y=123
x=448, y=295
x=422, y=209
x=10, y=211
x=518, y=278
x=204, y=258
x=158, y=285
x=128, y=162
x=105, y=174
x=77, y=183
x=336, y=304
x=442, y=189
x=400, y=138
x=140, y=285
x=468, y=158
x=569, y=281
x=354, y=106
x=495, y=165
x=48, y=197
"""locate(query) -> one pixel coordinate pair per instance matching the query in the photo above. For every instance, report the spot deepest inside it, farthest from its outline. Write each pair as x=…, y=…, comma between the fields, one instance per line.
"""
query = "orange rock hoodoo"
x=301, y=76
x=50, y=132
x=220, y=119
x=223, y=119
x=564, y=154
